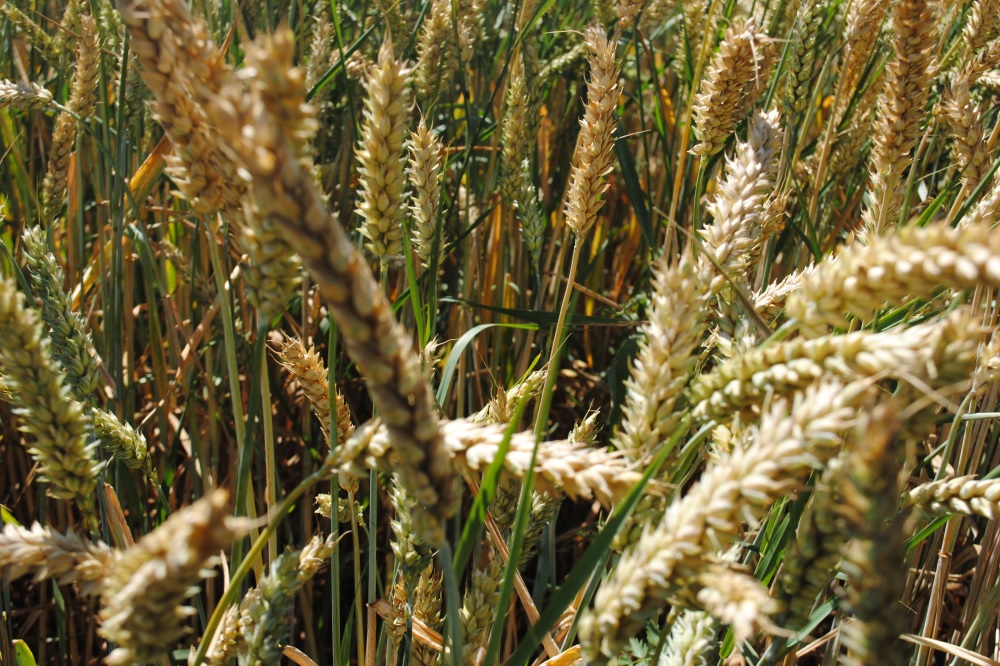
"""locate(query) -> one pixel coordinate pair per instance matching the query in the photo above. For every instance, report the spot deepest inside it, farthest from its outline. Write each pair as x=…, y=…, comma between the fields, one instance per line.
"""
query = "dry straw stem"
x=666, y=356
x=859, y=281
x=23, y=96
x=938, y=353
x=44, y=406
x=142, y=607
x=309, y=372
x=71, y=341
x=733, y=82
x=373, y=339
x=380, y=155
x=426, y=164
x=792, y=439
x=874, y=560
x=574, y=469
x=901, y=111
x=592, y=157
x=964, y=495
x=83, y=96
x=742, y=220
x=45, y=553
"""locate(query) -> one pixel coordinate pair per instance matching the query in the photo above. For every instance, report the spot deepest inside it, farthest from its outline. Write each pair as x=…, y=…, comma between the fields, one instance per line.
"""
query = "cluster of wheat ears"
x=500, y=331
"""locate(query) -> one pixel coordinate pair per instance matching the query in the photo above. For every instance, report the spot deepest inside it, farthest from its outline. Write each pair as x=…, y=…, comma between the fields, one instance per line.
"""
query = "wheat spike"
x=83, y=96
x=309, y=372
x=43, y=404
x=733, y=82
x=45, y=553
x=901, y=112
x=23, y=96
x=594, y=145
x=964, y=495
x=425, y=167
x=913, y=262
x=791, y=440
x=142, y=602
x=380, y=155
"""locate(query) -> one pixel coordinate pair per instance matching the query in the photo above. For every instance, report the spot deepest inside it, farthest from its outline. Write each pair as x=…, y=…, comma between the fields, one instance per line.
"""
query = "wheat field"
x=480, y=332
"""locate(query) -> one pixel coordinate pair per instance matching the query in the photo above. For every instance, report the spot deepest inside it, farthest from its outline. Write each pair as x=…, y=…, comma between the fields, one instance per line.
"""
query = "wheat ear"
x=791, y=440
x=23, y=96
x=900, y=114
x=142, y=603
x=46, y=553
x=44, y=406
x=911, y=263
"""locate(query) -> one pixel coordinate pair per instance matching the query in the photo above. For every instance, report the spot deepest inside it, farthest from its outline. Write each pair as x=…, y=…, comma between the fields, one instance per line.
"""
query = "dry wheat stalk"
x=309, y=372
x=83, y=96
x=900, y=115
x=142, y=602
x=592, y=156
x=858, y=281
x=425, y=167
x=791, y=440
x=42, y=401
x=964, y=495
x=380, y=155
x=45, y=553
x=733, y=82
x=23, y=96
x=873, y=560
